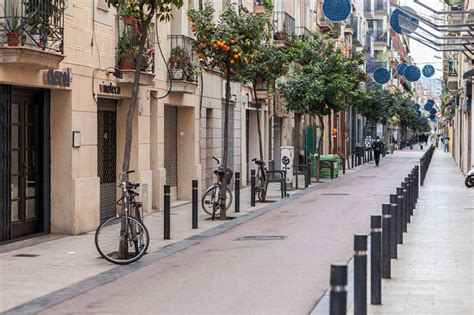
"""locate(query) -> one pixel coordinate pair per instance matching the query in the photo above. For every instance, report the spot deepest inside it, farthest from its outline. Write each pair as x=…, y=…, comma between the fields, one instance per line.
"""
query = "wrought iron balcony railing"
x=128, y=44
x=372, y=64
x=284, y=26
x=380, y=36
x=368, y=6
x=369, y=45
x=303, y=31
x=35, y=23
x=380, y=6
x=183, y=60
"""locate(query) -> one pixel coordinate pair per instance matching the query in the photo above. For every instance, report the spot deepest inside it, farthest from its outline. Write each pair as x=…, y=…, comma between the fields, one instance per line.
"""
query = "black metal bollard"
x=338, y=294
x=386, y=242
x=375, y=259
x=393, y=226
x=422, y=168
x=195, y=204
x=417, y=181
x=360, y=274
x=406, y=205
x=412, y=183
x=252, y=188
x=167, y=214
x=308, y=176
x=401, y=216
x=237, y=192
x=410, y=207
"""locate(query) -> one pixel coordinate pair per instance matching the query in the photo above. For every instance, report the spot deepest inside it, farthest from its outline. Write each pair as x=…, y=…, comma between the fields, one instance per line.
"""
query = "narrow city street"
x=287, y=272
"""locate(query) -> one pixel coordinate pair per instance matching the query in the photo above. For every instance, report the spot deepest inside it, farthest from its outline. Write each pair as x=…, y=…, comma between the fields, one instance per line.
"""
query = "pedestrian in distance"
x=446, y=144
x=378, y=147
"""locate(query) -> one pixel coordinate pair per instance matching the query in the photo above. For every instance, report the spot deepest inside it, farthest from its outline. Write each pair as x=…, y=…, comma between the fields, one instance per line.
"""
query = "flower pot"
x=13, y=39
x=126, y=64
x=128, y=20
x=177, y=74
x=280, y=36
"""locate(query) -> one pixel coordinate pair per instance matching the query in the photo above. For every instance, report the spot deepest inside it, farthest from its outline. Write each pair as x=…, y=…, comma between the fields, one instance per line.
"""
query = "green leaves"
x=146, y=9
x=323, y=78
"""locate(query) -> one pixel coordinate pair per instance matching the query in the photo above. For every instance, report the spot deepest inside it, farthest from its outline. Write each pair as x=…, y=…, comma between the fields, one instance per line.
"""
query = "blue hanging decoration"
x=416, y=107
x=430, y=102
x=433, y=111
x=428, y=71
x=432, y=117
x=337, y=10
x=401, y=68
x=381, y=75
x=402, y=22
x=428, y=106
x=412, y=73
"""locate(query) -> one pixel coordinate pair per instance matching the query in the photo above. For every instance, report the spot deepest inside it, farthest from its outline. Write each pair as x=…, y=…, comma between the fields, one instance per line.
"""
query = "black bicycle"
x=210, y=200
x=124, y=239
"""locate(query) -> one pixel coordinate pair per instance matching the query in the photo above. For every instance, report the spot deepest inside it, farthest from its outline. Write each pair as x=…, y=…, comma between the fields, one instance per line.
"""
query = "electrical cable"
x=166, y=65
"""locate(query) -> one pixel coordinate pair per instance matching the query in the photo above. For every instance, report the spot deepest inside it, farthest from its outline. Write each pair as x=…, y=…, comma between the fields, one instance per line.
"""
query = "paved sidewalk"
x=434, y=272
x=62, y=261
x=231, y=272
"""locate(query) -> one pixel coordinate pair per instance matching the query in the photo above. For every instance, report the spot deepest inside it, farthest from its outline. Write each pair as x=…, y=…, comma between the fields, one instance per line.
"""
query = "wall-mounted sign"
x=59, y=78
x=76, y=139
x=111, y=89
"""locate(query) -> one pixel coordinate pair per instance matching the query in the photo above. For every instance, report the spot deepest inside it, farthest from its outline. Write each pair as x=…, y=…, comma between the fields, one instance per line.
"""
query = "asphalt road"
x=287, y=275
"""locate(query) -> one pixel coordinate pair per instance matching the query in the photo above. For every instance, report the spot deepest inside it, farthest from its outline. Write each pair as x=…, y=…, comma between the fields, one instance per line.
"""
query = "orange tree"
x=226, y=45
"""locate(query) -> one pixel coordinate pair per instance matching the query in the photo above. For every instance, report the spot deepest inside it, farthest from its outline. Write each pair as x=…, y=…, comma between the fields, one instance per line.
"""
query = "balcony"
x=284, y=27
x=303, y=31
x=348, y=26
x=34, y=33
x=183, y=64
x=325, y=24
x=262, y=90
x=380, y=36
x=369, y=8
x=369, y=46
x=373, y=64
x=127, y=53
x=279, y=107
x=381, y=6
x=358, y=38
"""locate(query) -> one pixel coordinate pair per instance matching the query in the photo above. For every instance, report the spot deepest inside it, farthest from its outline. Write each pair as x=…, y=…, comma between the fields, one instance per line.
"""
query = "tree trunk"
x=226, y=144
x=259, y=128
x=123, y=247
x=320, y=144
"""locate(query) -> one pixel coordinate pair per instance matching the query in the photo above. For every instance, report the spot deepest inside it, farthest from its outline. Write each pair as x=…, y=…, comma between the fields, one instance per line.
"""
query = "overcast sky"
x=421, y=53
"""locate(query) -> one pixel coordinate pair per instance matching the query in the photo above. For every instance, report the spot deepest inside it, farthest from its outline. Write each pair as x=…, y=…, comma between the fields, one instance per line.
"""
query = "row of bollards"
x=386, y=232
x=194, y=205
x=425, y=163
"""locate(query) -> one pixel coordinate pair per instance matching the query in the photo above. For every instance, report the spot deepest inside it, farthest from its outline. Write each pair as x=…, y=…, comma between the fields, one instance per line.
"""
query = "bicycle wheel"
x=119, y=245
x=135, y=229
x=210, y=197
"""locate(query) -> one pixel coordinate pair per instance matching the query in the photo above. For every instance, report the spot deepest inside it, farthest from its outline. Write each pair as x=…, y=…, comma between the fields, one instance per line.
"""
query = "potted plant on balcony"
x=41, y=21
x=14, y=27
x=180, y=65
x=128, y=12
x=126, y=53
x=280, y=34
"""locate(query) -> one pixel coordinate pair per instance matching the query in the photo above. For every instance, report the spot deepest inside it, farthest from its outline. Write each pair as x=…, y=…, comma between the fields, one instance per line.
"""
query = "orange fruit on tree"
x=236, y=56
x=232, y=62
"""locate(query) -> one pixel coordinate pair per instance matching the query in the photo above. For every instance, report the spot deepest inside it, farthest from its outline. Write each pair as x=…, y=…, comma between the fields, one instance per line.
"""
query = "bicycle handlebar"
x=218, y=162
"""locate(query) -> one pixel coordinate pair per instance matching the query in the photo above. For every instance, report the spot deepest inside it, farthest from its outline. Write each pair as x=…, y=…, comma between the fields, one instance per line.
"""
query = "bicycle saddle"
x=133, y=185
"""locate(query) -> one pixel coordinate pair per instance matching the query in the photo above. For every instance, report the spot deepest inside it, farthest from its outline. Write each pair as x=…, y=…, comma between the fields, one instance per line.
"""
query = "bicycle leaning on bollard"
x=124, y=239
x=210, y=200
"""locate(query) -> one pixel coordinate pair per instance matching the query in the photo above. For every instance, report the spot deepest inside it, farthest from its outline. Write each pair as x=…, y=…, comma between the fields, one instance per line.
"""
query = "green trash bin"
x=326, y=172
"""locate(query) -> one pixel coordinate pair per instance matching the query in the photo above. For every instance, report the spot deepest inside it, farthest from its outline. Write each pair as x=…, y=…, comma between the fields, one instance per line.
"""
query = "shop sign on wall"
x=111, y=89
x=59, y=78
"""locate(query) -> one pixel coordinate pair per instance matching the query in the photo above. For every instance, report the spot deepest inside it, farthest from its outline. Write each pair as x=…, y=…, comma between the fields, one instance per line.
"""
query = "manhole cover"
x=336, y=194
x=261, y=238
x=26, y=255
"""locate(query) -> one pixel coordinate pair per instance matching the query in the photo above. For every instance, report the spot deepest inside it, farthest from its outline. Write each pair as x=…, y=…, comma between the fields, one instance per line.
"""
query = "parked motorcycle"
x=469, y=181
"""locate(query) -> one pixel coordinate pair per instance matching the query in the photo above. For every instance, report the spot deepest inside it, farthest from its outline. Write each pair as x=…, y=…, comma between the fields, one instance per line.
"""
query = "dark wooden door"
x=26, y=176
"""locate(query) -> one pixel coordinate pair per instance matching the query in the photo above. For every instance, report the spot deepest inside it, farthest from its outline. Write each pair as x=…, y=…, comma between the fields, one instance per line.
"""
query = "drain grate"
x=26, y=255
x=336, y=194
x=261, y=238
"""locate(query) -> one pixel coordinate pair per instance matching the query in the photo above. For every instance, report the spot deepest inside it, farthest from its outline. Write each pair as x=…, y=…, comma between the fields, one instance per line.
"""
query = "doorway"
x=171, y=149
x=107, y=155
x=24, y=167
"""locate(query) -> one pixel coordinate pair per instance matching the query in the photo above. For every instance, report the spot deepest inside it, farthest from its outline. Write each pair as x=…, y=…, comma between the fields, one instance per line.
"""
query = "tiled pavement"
x=434, y=272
